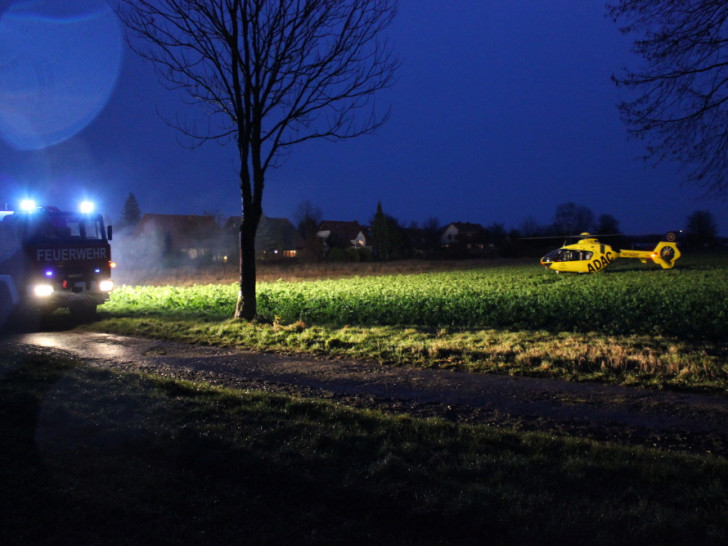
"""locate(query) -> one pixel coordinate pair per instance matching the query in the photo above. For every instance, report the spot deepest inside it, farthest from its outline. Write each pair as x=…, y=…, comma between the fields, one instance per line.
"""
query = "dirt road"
x=668, y=420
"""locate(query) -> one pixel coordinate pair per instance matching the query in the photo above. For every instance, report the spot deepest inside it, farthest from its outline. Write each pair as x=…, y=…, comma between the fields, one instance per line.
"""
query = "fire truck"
x=51, y=259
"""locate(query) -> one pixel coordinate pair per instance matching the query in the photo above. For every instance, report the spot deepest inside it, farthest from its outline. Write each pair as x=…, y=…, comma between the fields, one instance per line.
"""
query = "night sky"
x=502, y=110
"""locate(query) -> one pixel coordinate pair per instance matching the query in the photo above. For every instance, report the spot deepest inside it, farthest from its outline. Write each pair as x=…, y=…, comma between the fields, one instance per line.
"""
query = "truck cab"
x=51, y=259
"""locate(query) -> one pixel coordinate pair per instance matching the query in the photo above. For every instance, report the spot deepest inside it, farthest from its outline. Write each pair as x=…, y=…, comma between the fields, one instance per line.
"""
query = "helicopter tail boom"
x=665, y=254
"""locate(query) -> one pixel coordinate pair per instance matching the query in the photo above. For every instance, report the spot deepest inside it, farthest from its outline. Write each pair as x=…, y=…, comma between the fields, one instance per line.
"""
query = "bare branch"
x=681, y=108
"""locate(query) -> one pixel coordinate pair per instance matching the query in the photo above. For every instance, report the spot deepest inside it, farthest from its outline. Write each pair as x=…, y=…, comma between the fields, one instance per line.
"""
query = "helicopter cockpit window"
x=567, y=255
x=553, y=256
x=577, y=256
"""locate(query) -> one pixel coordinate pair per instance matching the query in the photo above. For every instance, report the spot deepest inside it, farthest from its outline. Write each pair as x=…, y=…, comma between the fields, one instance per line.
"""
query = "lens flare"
x=28, y=205
x=59, y=64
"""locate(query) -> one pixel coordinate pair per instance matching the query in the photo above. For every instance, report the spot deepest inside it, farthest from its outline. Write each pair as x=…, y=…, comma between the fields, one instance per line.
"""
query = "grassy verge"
x=96, y=456
x=654, y=361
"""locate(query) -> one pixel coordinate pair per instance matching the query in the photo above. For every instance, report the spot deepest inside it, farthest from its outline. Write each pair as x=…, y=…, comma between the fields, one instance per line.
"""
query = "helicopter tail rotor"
x=665, y=254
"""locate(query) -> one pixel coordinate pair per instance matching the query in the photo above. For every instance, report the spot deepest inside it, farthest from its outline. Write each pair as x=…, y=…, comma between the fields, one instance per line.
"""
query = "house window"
x=289, y=253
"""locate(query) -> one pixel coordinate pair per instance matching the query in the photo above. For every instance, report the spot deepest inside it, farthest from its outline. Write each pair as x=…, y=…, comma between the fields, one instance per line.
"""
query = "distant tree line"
x=389, y=239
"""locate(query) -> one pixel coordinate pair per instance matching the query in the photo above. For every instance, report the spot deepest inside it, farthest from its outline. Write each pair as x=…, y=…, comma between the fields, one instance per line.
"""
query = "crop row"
x=687, y=302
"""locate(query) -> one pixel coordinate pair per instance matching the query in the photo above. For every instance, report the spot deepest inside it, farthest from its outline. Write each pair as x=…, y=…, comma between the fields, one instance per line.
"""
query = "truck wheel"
x=82, y=312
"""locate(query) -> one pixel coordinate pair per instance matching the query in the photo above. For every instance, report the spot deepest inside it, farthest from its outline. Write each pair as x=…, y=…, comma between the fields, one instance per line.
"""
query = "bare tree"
x=271, y=74
x=571, y=218
x=530, y=228
x=607, y=224
x=308, y=218
x=701, y=228
x=432, y=230
x=681, y=92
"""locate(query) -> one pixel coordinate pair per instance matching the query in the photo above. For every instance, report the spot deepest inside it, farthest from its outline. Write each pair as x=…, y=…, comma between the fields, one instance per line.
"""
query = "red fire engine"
x=52, y=259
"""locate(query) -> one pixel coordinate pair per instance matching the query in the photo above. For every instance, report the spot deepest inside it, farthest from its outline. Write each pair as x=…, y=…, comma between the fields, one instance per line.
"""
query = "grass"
x=629, y=324
x=96, y=456
x=652, y=361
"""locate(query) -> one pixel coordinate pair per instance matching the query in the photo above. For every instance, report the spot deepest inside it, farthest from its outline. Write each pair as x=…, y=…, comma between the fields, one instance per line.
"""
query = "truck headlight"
x=42, y=290
x=106, y=285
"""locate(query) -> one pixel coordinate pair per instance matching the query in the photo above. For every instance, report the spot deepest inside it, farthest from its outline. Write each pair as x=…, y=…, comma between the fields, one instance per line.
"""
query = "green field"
x=626, y=324
x=689, y=302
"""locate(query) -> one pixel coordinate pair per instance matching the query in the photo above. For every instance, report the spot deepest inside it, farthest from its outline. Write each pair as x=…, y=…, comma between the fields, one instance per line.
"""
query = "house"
x=335, y=234
x=276, y=239
x=466, y=238
x=174, y=235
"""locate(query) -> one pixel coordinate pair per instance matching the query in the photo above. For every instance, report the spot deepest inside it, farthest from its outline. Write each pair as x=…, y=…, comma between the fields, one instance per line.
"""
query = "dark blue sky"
x=502, y=110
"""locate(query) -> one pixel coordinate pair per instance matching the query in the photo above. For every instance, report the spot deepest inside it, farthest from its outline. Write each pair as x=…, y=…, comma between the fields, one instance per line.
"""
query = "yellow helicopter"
x=588, y=255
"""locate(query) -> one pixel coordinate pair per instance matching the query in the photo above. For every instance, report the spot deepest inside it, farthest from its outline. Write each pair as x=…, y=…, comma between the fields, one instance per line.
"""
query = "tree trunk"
x=247, y=305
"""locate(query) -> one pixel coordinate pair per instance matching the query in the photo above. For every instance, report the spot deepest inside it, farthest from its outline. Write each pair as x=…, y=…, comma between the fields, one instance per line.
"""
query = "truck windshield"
x=62, y=226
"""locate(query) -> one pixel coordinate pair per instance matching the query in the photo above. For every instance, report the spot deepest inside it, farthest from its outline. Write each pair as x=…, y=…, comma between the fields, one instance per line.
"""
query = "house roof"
x=184, y=231
x=272, y=234
x=467, y=232
x=347, y=230
x=232, y=225
x=465, y=227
